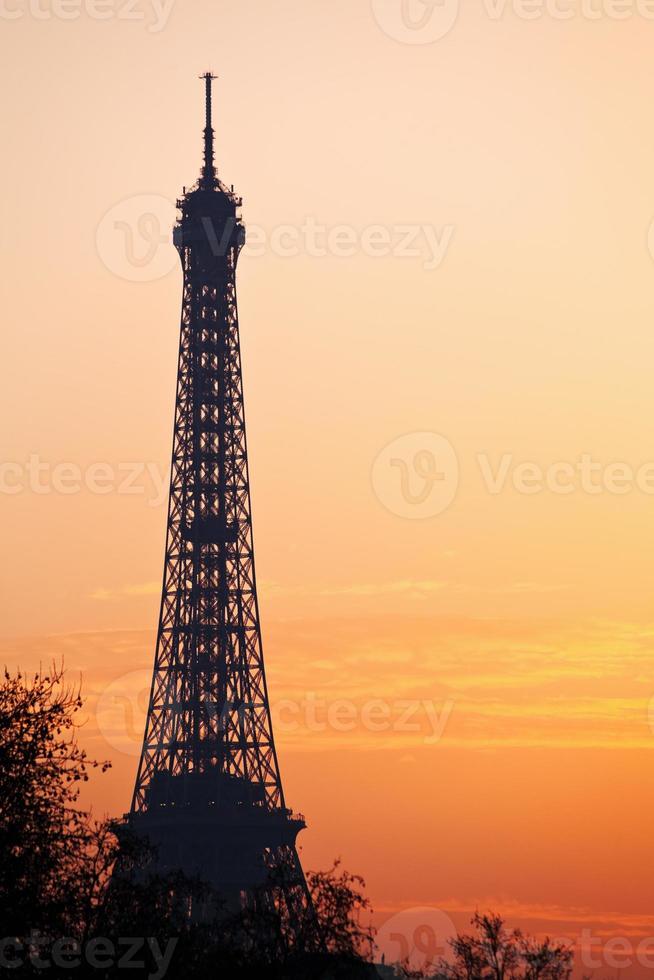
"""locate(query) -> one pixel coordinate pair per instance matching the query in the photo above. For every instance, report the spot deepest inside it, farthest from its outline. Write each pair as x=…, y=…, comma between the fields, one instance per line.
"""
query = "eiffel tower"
x=208, y=792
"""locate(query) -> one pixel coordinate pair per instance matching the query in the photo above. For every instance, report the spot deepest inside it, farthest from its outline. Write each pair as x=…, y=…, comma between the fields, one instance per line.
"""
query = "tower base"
x=218, y=829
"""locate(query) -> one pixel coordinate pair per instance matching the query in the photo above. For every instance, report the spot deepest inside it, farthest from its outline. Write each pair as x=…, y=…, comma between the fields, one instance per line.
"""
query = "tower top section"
x=208, y=178
x=209, y=191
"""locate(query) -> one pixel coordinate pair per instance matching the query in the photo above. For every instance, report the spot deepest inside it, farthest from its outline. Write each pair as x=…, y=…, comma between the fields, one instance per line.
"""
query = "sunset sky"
x=461, y=672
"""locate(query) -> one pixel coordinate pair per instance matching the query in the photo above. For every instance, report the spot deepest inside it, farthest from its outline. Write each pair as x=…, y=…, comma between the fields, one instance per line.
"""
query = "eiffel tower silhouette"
x=208, y=792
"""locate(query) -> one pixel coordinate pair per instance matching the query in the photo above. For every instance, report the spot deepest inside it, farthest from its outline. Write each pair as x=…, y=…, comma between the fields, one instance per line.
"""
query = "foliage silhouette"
x=76, y=892
x=492, y=952
x=66, y=877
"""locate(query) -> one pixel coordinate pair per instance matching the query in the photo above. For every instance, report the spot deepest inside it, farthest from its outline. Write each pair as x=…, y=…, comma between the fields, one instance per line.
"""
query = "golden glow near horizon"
x=447, y=308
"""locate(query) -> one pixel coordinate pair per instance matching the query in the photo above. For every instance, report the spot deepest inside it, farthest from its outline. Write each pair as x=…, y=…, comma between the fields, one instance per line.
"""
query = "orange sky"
x=513, y=627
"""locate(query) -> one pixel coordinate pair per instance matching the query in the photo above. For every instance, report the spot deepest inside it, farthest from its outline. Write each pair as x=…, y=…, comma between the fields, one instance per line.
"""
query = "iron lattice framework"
x=208, y=789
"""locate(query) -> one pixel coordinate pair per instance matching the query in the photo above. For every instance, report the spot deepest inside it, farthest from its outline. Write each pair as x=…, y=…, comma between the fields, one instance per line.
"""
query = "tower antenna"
x=209, y=179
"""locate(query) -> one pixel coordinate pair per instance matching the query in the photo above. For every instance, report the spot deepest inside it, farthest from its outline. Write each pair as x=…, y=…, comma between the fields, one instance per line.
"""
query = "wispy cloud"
x=512, y=685
x=416, y=589
x=408, y=588
x=126, y=591
x=540, y=919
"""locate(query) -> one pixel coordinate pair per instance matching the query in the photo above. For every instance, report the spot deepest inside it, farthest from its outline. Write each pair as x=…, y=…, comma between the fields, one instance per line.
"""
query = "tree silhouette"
x=47, y=843
x=492, y=952
x=64, y=876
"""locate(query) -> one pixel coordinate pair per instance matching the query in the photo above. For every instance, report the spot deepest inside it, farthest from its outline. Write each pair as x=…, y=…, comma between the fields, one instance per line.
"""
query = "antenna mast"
x=209, y=178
